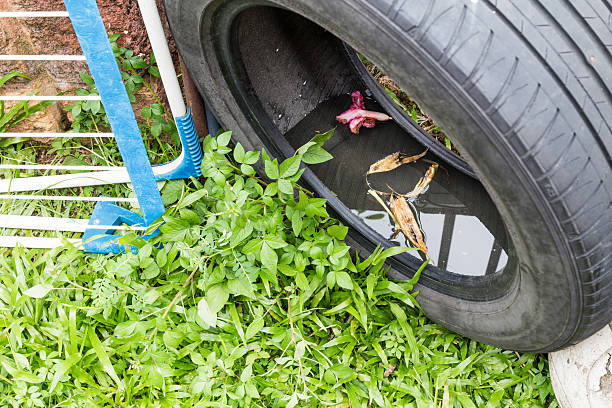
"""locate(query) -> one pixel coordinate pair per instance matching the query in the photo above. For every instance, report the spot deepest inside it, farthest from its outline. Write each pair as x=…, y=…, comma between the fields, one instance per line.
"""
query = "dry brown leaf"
x=423, y=182
x=389, y=371
x=393, y=161
x=407, y=223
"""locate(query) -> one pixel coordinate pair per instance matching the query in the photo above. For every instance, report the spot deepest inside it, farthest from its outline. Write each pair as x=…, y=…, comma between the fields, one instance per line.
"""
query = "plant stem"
x=180, y=292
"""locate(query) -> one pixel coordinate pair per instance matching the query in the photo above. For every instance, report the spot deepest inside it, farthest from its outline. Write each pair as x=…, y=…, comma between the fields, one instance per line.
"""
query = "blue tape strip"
x=92, y=36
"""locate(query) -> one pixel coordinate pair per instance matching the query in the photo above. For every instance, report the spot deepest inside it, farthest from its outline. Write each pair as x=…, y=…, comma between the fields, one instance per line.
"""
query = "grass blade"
x=103, y=357
x=12, y=75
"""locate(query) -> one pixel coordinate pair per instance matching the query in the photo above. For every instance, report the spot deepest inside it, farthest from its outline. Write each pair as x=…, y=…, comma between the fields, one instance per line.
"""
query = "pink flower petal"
x=349, y=115
x=376, y=115
x=369, y=123
x=356, y=115
x=357, y=100
x=355, y=124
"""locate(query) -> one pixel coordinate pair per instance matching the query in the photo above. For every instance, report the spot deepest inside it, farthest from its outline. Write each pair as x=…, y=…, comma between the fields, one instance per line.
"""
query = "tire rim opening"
x=292, y=78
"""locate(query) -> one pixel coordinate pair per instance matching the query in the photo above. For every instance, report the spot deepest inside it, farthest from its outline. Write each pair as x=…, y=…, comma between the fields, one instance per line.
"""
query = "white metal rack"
x=12, y=188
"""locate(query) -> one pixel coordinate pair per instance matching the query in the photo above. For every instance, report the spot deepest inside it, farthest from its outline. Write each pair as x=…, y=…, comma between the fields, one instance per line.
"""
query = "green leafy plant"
x=253, y=300
x=90, y=116
x=133, y=68
x=138, y=73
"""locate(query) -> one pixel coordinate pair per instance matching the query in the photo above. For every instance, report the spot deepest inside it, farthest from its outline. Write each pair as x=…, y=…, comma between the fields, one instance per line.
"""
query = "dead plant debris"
x=389, y=371
x=393, y=161
x=408, y=105
x=407, y=223
x=400, y=210
x=423, y=182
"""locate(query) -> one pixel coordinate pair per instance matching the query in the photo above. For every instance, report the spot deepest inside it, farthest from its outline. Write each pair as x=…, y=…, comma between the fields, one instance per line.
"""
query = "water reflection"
x=450, y=239
x=462, y=228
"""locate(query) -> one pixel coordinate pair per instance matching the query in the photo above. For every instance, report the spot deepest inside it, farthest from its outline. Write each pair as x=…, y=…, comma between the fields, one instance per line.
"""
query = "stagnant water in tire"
x=462, y=228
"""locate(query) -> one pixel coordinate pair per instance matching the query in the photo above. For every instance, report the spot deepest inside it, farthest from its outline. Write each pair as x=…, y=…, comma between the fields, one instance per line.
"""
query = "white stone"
x=581, y=375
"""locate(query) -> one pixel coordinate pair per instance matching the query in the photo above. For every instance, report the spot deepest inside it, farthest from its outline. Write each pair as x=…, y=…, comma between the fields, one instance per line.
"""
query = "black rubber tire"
x=524, y=88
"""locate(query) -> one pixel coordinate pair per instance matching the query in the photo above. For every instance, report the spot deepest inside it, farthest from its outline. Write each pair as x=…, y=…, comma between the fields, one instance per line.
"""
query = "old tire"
x=524, y=89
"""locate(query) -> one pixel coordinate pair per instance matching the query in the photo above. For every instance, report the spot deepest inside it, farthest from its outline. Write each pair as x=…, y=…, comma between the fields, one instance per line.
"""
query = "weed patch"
x=254, y=299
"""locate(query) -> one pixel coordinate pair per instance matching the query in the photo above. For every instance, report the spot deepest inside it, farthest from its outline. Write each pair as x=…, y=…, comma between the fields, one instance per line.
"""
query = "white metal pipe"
x=98, y=178
x=55, y=167
x=49, y=98
x=30, y=14
x=40, y=183
x=33, y=222
x=154, y=27
x=32, y=197
x=37, y=242
x=47, y=57
x=55, y=135
x=30, y=222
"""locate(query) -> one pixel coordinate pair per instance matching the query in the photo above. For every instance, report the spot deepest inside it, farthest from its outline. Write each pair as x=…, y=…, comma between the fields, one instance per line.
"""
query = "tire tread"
x=580, y=110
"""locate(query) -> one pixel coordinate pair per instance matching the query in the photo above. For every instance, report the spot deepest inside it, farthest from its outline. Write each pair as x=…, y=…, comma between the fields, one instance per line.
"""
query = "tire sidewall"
x=541, y=310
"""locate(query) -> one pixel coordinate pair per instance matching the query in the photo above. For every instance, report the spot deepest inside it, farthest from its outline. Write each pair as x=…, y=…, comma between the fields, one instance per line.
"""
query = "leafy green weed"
x=254, y=300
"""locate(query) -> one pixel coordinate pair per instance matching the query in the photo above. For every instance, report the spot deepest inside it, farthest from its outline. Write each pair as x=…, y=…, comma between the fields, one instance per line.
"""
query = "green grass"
x=254, y=300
